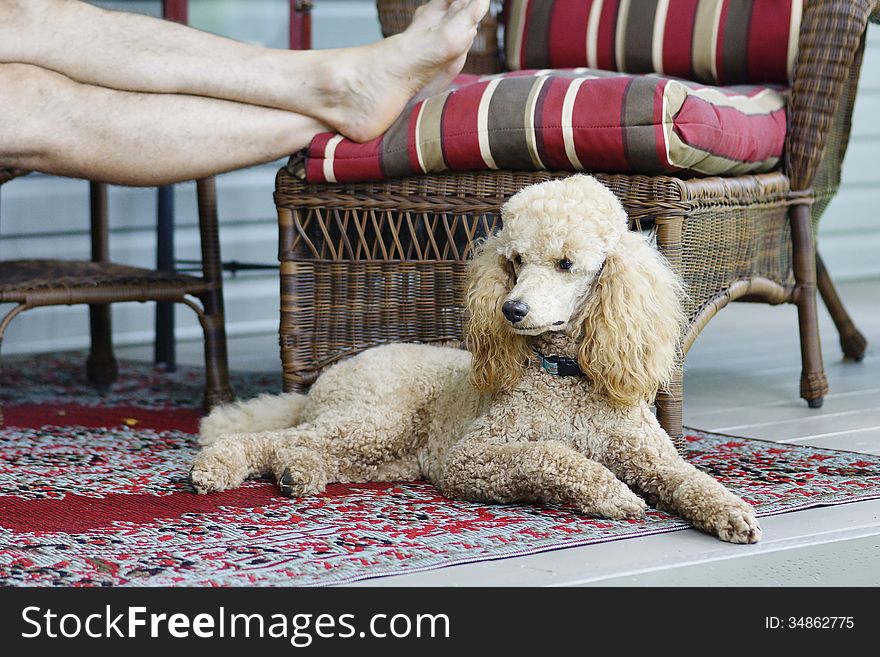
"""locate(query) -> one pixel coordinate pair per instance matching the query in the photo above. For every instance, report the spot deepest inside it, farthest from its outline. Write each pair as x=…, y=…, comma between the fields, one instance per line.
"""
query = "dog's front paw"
x=623, y=506
x=716, y=510
x=617, y=504
x=215, y=470
x=738, y=525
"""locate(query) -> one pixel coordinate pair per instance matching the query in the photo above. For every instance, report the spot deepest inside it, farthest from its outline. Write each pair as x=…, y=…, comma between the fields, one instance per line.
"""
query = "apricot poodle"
x=574, y=324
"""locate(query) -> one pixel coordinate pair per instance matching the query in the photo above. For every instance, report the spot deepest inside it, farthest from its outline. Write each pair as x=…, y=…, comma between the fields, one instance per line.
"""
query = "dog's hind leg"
x=346, y=446
x=295, y=453
x=340, y=445
x=490, y=470
x=264, y=413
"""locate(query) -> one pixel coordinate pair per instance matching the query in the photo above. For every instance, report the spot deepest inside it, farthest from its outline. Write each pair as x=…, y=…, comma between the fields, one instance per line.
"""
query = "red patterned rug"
x=94, y=492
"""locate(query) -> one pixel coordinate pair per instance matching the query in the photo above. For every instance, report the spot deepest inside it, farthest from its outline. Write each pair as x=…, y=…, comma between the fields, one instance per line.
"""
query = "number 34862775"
x=809, y=622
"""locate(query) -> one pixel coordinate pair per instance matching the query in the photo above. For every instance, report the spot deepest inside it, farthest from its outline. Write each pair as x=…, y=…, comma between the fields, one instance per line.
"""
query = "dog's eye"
x=517, y=259
x=565, y=264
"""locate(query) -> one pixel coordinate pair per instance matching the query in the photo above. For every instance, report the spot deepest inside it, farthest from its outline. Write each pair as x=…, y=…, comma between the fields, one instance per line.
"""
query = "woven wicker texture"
x=368, y=263
x=33, y=280
x=34, y=283
x=830, y=44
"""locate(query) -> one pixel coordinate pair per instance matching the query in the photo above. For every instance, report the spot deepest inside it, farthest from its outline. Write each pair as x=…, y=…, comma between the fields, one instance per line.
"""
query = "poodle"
x=574, y=324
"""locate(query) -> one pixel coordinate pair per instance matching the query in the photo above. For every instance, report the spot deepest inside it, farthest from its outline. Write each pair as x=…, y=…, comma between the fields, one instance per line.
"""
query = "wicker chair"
x=100, y=282
x=363, y=264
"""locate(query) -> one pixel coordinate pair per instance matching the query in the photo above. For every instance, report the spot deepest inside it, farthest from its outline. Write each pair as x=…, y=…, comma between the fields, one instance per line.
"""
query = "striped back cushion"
x=569, y=120
x=711, y=41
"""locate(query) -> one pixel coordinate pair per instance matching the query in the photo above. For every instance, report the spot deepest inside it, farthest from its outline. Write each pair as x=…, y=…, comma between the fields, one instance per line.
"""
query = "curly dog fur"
x=491, y=425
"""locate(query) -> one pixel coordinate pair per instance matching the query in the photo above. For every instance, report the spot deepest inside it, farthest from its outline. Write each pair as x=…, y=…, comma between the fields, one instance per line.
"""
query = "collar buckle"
x=559, y=365
x=549, y=365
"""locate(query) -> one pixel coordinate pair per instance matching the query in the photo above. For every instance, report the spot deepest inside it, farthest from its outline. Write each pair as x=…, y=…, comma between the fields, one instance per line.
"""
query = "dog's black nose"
x=514, y=311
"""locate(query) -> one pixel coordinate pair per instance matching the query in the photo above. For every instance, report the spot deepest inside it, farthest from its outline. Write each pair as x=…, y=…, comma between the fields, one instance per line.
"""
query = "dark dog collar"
x=559, y=365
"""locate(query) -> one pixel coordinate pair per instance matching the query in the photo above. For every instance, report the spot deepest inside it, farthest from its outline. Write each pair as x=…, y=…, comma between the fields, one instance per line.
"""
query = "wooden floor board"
x=772, y=416
x=713, y=417
x=814, y=427
x=866, y=439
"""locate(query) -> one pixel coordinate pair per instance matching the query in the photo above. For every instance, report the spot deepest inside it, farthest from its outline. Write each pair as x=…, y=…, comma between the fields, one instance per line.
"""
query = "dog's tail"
x=264, y=413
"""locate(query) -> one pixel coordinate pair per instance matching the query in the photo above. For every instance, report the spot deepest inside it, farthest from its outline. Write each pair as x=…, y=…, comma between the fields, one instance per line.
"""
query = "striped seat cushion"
x=569, y=120
x=711, y=41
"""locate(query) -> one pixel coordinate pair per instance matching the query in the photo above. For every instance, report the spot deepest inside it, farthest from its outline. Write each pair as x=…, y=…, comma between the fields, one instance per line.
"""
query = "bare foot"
x=429, y=14
x=367, y=88
x=426, y=16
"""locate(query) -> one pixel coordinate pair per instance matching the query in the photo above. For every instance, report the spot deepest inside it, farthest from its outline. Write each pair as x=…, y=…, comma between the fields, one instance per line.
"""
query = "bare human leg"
x=356, y=91
x=56, y=125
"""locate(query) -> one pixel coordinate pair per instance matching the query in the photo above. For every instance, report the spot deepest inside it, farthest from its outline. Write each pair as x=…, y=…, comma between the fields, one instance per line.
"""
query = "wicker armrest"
x=830, y=40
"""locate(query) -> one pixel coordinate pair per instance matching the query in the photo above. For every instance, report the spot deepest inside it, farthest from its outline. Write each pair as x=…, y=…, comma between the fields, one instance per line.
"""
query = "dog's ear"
x=499, y=355
x=632, y=323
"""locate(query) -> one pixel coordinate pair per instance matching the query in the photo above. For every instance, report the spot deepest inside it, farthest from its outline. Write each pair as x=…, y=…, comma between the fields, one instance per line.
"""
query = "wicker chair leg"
x=852, y=342
x=217, y=387
x=814, y=385
x=101, y=367
x=670, y=404
x=12, y=314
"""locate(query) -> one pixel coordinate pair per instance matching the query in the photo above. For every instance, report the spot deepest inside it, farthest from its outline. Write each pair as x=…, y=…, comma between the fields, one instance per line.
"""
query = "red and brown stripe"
x=726, y=41
x=642, y=121
x=461, y=144
x=536, y=45
x=396, y=161
x=638, y=37
x=567, y=33
x=594, y=120
x=599, y=146
x=548, y=114
x=733, y=61
x=507, y=124
x=678, y=38
x=606, y=39
x=767, y=51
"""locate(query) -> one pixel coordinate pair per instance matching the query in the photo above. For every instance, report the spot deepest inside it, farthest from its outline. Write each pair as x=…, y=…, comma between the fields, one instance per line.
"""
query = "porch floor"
x=741, y=378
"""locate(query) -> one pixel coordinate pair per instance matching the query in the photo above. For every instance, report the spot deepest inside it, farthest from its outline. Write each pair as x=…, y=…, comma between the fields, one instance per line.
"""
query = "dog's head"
x=565, y=261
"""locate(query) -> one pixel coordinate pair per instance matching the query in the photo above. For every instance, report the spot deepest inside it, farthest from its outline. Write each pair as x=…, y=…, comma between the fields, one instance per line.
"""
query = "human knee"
x=31, y=92
x=21, y=135
x=16, y=16
x=14, y=10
